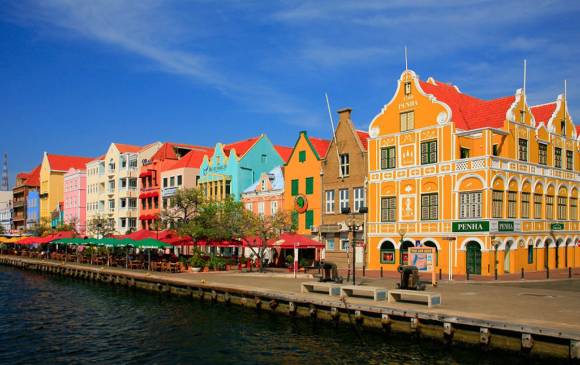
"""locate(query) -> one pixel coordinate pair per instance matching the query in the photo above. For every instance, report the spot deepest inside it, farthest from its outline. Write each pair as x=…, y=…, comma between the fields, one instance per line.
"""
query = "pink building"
x=75, y=199
x=266, y=195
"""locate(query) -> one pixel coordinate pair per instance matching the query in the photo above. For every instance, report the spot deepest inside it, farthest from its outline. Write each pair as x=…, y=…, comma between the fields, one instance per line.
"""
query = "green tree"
x=264, y=228
x=100, y=226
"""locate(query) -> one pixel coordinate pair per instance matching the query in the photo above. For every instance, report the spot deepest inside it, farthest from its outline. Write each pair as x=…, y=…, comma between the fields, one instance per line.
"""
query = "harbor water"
x=55, y=320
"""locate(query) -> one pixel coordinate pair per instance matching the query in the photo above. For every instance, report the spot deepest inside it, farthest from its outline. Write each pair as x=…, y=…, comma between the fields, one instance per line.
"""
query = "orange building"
x=490, y=184
x=303, y=183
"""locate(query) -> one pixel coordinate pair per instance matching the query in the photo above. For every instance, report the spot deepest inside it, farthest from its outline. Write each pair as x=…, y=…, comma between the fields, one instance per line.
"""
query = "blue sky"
x=77, y=75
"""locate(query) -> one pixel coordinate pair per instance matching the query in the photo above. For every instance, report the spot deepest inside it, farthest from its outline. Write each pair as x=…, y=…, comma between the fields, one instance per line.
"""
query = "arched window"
x=525, y=201
x=550, y=203
x=387, y=253
x=574, y=205
x=562, y=203
x=538, y=201
x=404, y=252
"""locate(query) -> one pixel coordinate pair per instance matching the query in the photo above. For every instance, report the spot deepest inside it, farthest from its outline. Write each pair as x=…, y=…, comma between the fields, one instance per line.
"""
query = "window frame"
x=497, y=198
x=542, y=154
x=388, y=157
x=343, y=199
x=430, y=211
x=329, y=204
x=428, y=152
x=388, y=209
x=345, y=164
x=407, y=121
x=523, y=149
x=470, y=204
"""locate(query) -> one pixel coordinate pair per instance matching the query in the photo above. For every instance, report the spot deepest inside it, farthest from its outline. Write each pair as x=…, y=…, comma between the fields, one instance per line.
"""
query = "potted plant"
x=197, y=262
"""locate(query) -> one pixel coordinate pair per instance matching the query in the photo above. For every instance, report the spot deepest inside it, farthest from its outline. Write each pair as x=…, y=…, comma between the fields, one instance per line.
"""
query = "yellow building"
x=52, y=173
x=491, y=184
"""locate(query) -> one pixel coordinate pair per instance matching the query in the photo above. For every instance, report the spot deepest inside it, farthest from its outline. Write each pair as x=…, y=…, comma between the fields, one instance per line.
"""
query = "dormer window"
x=522, y=116
x=407, y=121
x=408, y=88
x=563, y=127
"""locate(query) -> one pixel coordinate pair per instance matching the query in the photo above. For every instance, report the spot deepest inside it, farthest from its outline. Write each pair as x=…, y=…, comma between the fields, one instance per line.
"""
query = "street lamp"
x=353, y=227
x=495, y=245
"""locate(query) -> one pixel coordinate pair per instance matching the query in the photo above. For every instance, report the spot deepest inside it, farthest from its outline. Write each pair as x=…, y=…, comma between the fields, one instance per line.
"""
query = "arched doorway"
x=387, y=253
x=507, y=257
x=432, y=244
x=404, y=252
x=473, y=258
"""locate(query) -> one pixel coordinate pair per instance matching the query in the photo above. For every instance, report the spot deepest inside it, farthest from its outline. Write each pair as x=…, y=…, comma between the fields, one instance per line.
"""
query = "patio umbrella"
x=148, y=244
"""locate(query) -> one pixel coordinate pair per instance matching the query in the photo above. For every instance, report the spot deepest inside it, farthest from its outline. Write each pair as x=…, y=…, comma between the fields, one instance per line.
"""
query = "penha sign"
x=470, y=226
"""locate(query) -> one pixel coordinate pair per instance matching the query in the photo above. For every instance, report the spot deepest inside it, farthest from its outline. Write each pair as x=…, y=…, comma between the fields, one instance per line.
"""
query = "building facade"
x=32, y=209
x=113, y=185
x=52, y=173
x=6, y=210
x=344, y=186
x=490, y=184
x=151, y=193
x=25, y=183
x=266, y=195
x=234, y=167
x=75, y=199
x=303, y=195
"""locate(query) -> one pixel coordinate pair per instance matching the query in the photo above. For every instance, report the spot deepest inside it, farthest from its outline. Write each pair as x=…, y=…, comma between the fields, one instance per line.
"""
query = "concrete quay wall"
x=447, y=328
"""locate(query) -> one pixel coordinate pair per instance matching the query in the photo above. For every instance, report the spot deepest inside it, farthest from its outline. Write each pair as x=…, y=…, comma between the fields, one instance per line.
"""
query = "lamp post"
x=495, y=245
x=353, y=227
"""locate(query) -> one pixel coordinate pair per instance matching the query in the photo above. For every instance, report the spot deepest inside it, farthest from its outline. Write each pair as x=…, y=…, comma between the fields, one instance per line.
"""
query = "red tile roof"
x=165, y=152
x=469, y=112
x=364, y=138
x=284, y=152
x=63, y=163
x=33, y=177
x=543, y=113
x=125, y=148
x=192, y=159
x=320, y=145
x=241, y=147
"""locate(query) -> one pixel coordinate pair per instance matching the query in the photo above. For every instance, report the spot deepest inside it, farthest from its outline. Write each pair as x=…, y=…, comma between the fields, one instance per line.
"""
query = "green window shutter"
x=295, y=220
x=309, y=219
x=301, y=156
x=309, y=185
x=295, y=187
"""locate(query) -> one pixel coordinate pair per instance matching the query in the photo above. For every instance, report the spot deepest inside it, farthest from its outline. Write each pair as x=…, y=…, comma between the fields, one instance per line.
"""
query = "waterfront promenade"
x=548, y=305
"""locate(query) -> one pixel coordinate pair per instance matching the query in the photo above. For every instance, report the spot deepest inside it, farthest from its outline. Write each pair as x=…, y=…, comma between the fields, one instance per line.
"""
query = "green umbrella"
x=151, y=243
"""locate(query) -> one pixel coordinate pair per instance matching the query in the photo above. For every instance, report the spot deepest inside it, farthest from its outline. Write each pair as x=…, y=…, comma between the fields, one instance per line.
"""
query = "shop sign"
x=329, y=228
x=470, y=226
x=557, y=226
x=422, y=257
x=505, y=226
x=387, y=256
x=165, y=192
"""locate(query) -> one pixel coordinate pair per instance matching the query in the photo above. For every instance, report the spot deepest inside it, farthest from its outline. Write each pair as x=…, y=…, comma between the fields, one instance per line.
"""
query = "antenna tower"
x=4, y=186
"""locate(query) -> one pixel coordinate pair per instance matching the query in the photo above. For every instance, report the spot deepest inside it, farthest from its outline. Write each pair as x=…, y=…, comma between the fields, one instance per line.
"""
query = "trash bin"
x=410, y=278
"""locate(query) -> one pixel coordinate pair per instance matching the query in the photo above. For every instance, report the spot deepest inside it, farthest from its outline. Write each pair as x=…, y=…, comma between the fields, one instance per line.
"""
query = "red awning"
x=45, y=239
x=232, y=243
x=154, y=194
x=145, y=174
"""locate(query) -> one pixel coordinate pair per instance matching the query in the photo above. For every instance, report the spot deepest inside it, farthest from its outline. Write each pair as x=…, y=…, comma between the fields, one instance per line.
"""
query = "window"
x=428, y=152
x=329, y=206
x=388, y=209
x=530, y=254
x=512, y=204
x=525, y=213
x=563, y=127
x=344, y=245
x=464, y=152
x=123, y=203
x=164, y=182
x=144, y=204
x=274, y=207
x=470, y=205
x=549, y=207
x=133, y=183
x=344, y=164
x=522, y=116
x=261, y=208
x=407, y=88
x=294, y=187
x=123, y=183
x=132, y=203
x=172, y=181
x=309, y=216
x=309, y=185
x=497, y=204
x=523, y=149
x=429, y=207
x=263, y=185
x=569, y=160
x=111, y=204
x=562, y=207
x=123, y=222
x=343, y=199
x=573, y=208
x=538, y=206
x=359, y=199
x=557, y=157
x=330, y=245
x=542, y=153
x=132, y=223
x=301, y=156
x=388, y=158
x=495, y=150
x=156, y=202
x=179, y=180
x=407, y=121
x=264, y=158
x=123, y=161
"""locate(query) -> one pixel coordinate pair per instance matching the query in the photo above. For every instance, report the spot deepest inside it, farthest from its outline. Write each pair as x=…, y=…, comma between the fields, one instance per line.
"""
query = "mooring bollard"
x=364, y=271
x=569, y=273
x=467, y=274
x=547, y=272
x=522, y=272
x=495, y=273
x=440, y=274
x=381, y=271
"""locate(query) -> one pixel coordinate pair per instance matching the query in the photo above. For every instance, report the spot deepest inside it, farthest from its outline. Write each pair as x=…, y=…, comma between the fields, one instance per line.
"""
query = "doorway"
x=473, y=257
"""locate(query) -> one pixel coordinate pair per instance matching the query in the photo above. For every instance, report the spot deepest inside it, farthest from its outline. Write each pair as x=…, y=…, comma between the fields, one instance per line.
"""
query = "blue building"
x=32, y=209
x=234, y=167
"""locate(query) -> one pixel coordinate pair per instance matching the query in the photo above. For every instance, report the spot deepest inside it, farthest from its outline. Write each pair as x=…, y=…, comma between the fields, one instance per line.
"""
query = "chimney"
x=344, y=114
